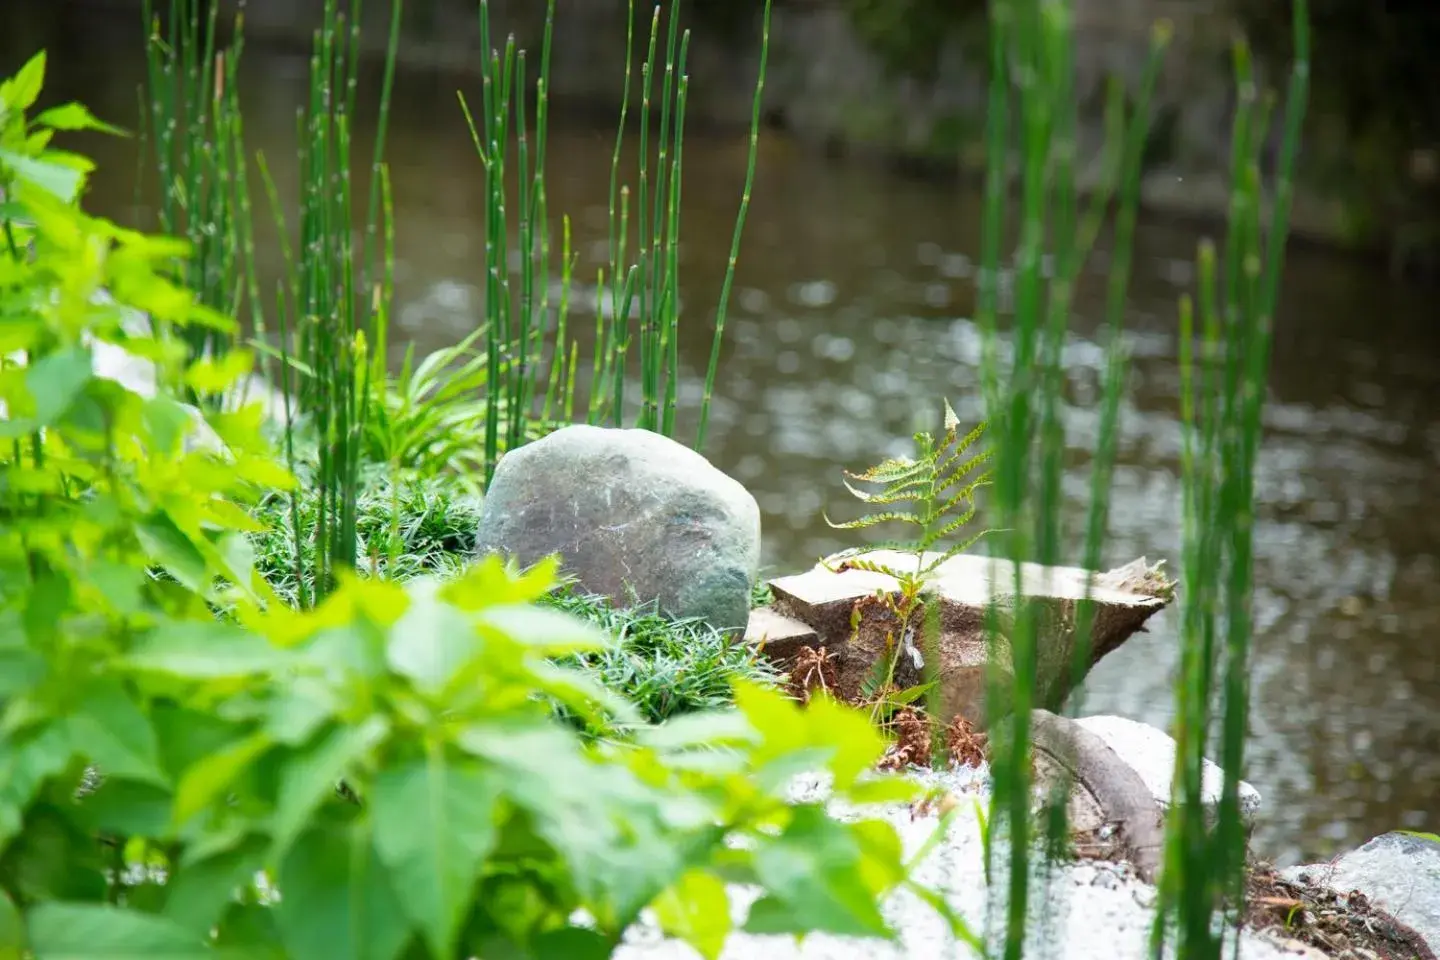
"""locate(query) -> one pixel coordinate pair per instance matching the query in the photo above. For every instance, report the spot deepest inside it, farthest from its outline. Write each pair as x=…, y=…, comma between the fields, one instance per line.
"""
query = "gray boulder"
x=634, y=516
x=1397, y=872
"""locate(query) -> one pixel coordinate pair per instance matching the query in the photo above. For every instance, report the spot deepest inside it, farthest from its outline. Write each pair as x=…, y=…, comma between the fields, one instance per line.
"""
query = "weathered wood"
x=778, y=636
x=1087, y=764
x=839, y=606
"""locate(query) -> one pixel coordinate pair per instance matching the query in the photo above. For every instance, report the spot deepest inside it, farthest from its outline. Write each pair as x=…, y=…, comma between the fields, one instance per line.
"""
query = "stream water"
x=851, y=319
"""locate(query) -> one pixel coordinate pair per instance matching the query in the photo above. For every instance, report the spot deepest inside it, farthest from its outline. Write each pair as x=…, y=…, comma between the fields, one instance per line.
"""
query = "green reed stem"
x=1204, y=869
x=724, y=305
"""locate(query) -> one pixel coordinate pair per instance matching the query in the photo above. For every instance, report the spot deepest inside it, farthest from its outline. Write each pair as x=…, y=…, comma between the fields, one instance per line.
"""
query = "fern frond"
x=956, y=549
x=954, y=470
x=891, y=470
x=934, y=490
x=906, y=492
x=955, y=523
x=964, y=498
x=872, y=519
x=877, y=679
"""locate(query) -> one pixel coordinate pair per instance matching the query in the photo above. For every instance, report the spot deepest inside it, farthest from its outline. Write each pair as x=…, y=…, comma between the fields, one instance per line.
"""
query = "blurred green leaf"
x=309, y=777
x=74, y=931
x=697, y=910
x=430, y=641
x=213, y=774
x=813, y=875
x=338, y=899
x=201, y=650
x=549, y=633
x=113, y=732
x=75, y=116
x=434, y=826
x=20, y=92
x=12, y=930
x=200, y=892
x=55, y=380
x=61, y=180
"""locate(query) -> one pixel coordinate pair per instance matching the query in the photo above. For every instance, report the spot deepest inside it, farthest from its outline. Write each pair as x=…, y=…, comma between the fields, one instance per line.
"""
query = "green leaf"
x=61, y=180
x=20, y=92
x=550, y=633
x=55, y=381
x=127, y=808
x=813, y=873
x=113, y=732
x=212, y=775
x=200, y=892
x=74, y=116
x=572, y=943
x=250, y=930
x=338, y=899
x=187, y=736
x=75, y=931
x=53, y=859
x=858, y=744
x=434, y=826
x=709, y=728
x=168, y=545
x=26, y=762
x=430, y=641
x=310, y=777
x=12, y=930
x=206, y=650
x=697, y=910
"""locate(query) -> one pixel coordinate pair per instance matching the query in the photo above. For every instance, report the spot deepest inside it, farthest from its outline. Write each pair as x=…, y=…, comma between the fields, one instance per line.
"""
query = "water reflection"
x=850, y=322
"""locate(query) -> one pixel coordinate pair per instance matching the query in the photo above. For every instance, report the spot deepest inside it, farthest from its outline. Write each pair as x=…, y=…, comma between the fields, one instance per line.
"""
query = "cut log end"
x=846, y=610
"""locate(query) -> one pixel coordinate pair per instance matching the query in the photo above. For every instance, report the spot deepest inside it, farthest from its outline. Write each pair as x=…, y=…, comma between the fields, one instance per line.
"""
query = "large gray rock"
x=634, y=516
x=1397, y=872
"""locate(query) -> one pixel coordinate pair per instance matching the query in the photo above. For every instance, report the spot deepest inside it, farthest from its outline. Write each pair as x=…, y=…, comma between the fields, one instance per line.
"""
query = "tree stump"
x=845, y=611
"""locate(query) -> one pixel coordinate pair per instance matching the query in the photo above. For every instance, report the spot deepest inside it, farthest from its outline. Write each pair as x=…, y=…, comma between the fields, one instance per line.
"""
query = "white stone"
x=1150, y=752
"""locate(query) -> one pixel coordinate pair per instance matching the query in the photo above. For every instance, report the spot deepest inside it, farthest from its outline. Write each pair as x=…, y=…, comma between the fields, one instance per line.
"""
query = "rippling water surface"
x=851, y=319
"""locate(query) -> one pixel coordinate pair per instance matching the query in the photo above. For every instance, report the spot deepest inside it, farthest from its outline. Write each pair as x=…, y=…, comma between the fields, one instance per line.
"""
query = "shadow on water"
x=849, y=323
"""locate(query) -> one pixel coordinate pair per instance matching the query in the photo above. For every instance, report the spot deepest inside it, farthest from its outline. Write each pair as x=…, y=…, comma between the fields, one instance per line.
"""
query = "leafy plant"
x=935, y=492
x=215, y=825
x=1222, y=410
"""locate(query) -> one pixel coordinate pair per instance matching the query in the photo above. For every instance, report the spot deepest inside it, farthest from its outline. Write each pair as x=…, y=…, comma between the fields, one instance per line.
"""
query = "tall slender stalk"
x=638, y=290
x=730, y=264
x=1032, y=56
x=1205, y=869
x=333, y=309
x=194, y=126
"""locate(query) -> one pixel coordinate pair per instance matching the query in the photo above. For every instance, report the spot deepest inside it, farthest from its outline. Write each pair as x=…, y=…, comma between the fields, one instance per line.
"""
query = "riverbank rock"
x=1150, y=752
x=1118, y=772
x=1397, y=872
x=843, y=605
x=634, y=516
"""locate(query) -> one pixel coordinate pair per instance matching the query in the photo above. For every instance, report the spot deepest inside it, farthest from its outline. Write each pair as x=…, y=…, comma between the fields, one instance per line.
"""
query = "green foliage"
x=1222, y=411
x=664, y=667
x=472, y=821
x=933, y=491
x=424, y=418
x=190, y=103
x=419, y=528
x=1032, y=47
